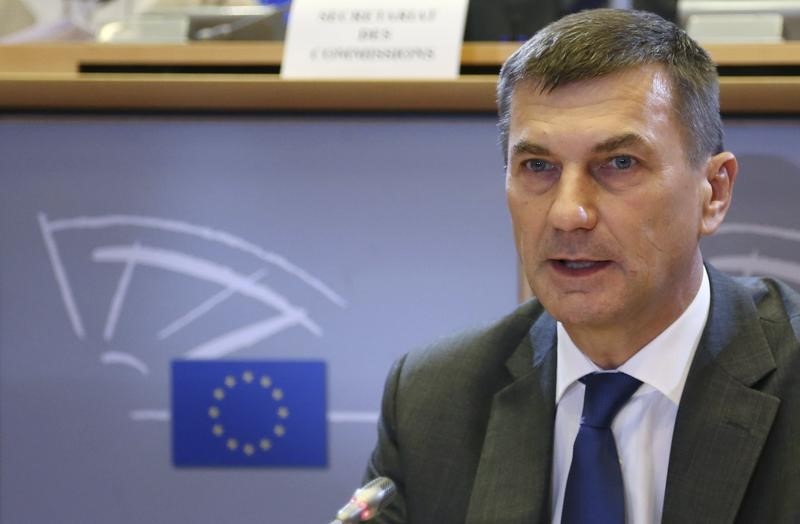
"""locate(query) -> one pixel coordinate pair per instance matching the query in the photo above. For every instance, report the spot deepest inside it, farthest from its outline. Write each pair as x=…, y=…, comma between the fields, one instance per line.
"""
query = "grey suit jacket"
x=466, y=429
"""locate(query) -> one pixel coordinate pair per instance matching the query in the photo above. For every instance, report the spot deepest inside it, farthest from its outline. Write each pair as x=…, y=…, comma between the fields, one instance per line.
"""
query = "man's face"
x=607, y=210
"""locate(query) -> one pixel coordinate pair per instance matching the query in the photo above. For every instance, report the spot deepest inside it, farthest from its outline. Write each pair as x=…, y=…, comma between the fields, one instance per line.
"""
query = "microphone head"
x=368, y=500
x=377, y=494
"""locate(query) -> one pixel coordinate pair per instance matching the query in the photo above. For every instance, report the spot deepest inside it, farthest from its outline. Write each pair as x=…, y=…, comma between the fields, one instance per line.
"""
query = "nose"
x=573, y=205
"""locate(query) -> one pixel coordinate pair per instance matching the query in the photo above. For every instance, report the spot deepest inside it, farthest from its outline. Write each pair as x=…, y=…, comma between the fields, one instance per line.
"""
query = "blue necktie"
x=595, y=494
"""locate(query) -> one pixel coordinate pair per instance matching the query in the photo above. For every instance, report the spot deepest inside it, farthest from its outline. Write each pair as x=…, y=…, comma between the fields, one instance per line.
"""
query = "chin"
x=582, y=318
x=587, y=312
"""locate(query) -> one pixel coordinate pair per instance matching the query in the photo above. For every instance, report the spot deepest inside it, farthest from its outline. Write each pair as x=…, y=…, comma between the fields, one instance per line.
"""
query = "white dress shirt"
x=643, y=427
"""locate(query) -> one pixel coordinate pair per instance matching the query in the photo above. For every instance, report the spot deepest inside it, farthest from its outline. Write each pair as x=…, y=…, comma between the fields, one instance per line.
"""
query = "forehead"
x=639, y=100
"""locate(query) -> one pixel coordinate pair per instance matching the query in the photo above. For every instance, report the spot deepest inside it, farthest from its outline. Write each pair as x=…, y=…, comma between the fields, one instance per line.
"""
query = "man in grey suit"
x=610, y=127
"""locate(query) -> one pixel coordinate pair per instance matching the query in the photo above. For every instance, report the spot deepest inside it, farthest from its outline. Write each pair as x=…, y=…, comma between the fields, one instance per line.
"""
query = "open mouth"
x=579, y=267
x=577, y=264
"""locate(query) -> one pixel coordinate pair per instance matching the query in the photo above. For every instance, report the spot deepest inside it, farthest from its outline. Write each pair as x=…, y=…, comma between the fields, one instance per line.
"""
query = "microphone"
x=367, y=501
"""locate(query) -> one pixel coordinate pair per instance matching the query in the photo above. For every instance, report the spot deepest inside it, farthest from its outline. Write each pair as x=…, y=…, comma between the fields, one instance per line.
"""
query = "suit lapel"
x=512, y=484
x=722, y=422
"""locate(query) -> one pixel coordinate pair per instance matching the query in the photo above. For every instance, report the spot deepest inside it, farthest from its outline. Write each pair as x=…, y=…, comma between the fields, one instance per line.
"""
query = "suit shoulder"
x=472, y=354
x=775, y=301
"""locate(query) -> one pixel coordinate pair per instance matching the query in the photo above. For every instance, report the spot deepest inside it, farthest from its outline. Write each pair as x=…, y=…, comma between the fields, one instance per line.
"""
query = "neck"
x=610, y=348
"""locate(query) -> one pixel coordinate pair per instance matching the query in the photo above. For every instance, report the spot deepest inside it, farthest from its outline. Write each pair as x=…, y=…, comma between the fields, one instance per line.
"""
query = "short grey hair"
x=595, y=43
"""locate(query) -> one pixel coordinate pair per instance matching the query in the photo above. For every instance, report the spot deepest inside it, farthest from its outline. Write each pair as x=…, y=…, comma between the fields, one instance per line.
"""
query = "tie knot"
x=606, y=393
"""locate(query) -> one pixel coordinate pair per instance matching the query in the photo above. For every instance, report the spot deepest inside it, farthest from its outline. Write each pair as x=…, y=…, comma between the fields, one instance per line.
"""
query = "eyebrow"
x=606, y=146
x=618, y=142
x=523, y=146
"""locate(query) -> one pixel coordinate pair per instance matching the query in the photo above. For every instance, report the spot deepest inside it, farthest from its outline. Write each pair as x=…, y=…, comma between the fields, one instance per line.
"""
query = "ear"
x=721, y=171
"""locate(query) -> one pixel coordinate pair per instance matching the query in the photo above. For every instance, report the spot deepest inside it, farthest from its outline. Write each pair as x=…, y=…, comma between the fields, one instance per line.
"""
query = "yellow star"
x=232, y=444
x=217, y=430
x=219, y=394
x=279, y=430
x=265, y=444
x=265, y=381
x=213, y=412
x=283, y=412
x=249, y=449
x=277, y=393
x=230, y=381
x=247, y=376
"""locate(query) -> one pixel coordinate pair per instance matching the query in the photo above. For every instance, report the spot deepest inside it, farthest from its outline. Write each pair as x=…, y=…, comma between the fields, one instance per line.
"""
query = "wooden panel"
x=787, y=53
x=269, y=92
x=45, y=76
x=239, y=92
x=67, y=57
x=760, y=94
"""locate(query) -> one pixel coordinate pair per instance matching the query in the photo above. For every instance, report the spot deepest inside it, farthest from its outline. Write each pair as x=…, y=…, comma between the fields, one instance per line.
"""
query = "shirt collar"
x=667, y=375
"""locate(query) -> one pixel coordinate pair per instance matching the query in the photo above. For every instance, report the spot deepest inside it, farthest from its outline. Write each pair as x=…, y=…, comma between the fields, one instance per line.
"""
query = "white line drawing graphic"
x=119, y=297
x=204, y=270
x=354, y=417
x=204, y=308
x=126, y=359
x=754, y=263
x=50, y=227
x=761, y=230
x=153, y=415
x=138, y=254
x=61, y=278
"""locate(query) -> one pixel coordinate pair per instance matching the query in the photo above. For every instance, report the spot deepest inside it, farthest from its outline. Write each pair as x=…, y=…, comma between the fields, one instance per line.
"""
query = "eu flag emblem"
x=255, y=413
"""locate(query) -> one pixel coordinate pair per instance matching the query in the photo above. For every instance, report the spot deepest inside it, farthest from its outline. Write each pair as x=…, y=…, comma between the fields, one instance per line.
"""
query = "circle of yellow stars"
x=265, y=442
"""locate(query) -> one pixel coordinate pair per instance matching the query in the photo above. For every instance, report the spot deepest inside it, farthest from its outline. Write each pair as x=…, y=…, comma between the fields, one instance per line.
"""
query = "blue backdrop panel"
x=130, y=242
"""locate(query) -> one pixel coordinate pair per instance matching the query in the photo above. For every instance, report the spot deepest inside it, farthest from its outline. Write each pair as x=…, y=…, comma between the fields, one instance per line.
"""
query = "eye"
x=537, y=165
x=621, y=162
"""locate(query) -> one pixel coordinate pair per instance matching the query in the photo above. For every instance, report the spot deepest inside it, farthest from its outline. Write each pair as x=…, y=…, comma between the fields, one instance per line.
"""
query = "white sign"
x=374, y=39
